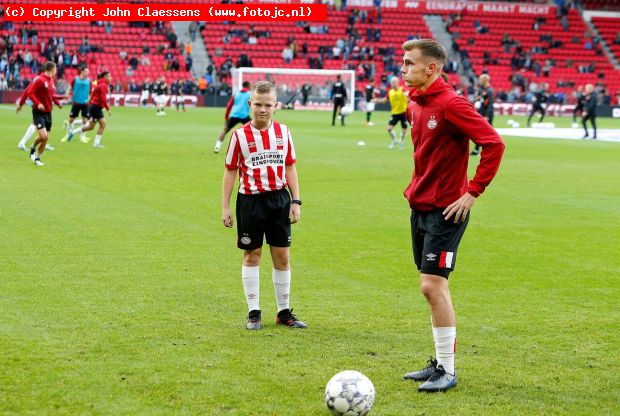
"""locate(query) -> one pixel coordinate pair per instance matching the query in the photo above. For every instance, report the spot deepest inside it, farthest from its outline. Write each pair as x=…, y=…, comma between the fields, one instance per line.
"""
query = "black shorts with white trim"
x=264, y=215
x=435, y=241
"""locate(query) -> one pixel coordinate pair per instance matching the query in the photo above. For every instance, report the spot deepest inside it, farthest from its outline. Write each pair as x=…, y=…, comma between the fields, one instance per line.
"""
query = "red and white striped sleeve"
x=232, y=154
x=290, y=154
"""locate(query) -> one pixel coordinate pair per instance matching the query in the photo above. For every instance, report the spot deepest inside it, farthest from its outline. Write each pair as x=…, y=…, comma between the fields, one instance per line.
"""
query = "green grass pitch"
x=120, y=290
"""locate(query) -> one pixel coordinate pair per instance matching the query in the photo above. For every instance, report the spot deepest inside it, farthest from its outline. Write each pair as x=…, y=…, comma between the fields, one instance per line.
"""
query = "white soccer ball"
x=511, y=122
x=346, y=110
x=361, y=143
x=575, y=126
x=515, y=125
x=349, y=393
x=477, y=105
x=370, y=107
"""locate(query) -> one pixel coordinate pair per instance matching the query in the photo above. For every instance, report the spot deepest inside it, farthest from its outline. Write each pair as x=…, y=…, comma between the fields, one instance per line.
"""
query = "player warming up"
x=262, y=152
x=439, y=194
x=98, y=101
x=398, y=103
x=483, y=102
x=339, y=96
x=237, y=111
x=80, y=88
x=32, y=129
x=42, y=93
x=589, y=112
x=539, y=101
x=370, y=105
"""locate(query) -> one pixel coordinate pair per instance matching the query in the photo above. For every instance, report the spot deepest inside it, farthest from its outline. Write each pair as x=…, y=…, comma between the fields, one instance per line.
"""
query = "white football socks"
x=250, y=277
x=282, y=285
x=445, y=347
x=402, y=136
x=393, y=136
x=29, y=132
x=97, y=140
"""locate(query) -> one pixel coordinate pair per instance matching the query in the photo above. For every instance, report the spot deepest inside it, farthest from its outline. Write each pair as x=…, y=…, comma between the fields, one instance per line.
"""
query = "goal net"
x=299, y=89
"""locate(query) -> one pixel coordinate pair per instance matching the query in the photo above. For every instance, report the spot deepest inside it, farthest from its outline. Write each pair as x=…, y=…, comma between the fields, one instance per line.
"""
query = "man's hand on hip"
x=460, y=208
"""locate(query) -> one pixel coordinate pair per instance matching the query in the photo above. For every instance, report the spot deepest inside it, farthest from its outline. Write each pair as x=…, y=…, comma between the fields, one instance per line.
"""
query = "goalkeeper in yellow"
x=398, y=102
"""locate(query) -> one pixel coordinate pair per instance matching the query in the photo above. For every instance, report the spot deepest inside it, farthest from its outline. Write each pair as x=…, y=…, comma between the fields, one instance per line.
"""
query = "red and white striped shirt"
x=261, y=157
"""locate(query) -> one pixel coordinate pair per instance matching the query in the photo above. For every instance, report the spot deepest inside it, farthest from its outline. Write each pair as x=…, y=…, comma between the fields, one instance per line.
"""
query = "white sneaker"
x=218, y=146
x=38, y=162
x=392, y=145
x=370, y=123
x=22, y=147
x=49, y=147
x=98, y=146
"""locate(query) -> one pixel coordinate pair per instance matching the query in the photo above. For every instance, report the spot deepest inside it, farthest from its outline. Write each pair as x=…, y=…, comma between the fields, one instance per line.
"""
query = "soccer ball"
x=349, y=393
x=370, y=107
x=346, y=110
x=515, y=125
x=510, y=122
x=575, y=125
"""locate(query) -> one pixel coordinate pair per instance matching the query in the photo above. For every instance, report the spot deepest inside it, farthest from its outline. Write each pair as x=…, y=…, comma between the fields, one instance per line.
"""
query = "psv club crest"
x=432, y=123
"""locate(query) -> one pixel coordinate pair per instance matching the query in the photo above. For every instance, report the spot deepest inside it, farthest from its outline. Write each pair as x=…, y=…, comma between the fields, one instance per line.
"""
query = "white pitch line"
x=604, y=135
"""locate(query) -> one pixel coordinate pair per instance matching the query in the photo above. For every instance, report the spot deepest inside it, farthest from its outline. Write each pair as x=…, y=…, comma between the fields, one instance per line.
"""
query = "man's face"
x=85, y=73
x=262, y=106
x=395, y=82
x=416, y=69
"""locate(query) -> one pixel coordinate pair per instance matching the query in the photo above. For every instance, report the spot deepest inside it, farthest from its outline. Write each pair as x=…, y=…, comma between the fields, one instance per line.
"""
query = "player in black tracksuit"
x=339, y=95
x=486, y=97
x=590, y=110
x=540, y=98
x=581, y=101
x=370, y=94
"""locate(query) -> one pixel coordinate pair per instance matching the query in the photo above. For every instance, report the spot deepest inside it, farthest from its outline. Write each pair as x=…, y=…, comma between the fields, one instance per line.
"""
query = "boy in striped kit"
x=263, y=153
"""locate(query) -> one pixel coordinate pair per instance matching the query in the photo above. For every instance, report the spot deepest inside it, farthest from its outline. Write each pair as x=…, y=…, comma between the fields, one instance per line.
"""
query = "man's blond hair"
x=429, y=48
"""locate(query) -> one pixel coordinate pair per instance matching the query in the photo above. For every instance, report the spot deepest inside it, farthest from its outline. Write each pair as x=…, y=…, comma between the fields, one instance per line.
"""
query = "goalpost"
x=299, y=88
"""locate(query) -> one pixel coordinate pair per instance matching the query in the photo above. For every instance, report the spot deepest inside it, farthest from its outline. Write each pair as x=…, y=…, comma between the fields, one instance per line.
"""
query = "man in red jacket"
x=440, y=196
x=42, y=93
x=98, y=101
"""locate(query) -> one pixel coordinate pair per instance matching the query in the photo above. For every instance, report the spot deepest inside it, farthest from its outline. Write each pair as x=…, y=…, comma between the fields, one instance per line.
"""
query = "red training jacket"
x=41, y=91
x=99, y=96
x=442, y=123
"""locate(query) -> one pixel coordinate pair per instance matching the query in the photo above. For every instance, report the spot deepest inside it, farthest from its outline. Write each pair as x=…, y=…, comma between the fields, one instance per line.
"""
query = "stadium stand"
x=609, y=28
x=100, y=45
x=515, y=49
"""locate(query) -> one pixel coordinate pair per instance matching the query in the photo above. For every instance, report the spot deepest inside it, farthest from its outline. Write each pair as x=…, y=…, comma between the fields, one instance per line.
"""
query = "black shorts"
x=95, y=112
x=265, y=214
x=233, y=121
x=42, y=120
x=76, y=109
x=435, y=241
x=402, y=117
x=339, y=102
